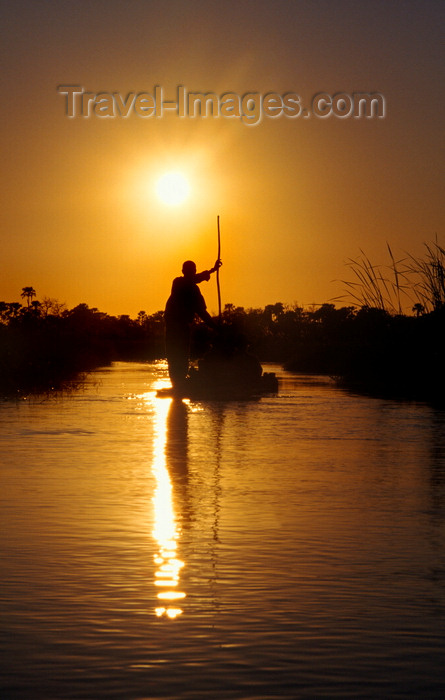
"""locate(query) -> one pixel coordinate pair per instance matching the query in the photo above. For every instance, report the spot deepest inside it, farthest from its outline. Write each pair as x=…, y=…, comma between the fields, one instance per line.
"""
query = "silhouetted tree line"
x=366, y=348
x=44, y=345
x=370, y=345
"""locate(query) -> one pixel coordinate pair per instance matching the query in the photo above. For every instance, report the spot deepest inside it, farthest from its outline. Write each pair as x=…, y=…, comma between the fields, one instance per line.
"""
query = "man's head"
x=189, y=269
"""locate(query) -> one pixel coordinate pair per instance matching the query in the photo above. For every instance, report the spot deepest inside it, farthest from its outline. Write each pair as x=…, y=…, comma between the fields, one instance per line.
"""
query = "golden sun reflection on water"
x=166, y=530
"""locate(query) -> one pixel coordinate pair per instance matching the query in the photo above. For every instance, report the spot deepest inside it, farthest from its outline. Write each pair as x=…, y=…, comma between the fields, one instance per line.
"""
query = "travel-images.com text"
x=250, y=108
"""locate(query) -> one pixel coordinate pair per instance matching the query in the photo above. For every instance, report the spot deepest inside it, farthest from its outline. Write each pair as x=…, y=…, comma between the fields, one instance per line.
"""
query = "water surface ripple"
x=290, y=547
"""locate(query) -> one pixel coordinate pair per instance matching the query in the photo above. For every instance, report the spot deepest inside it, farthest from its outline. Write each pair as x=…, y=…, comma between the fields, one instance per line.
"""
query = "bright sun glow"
x=173, y=188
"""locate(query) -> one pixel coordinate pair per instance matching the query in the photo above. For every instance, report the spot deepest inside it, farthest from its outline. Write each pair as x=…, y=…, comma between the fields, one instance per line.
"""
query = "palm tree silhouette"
x=418, y=309
x=28, y=293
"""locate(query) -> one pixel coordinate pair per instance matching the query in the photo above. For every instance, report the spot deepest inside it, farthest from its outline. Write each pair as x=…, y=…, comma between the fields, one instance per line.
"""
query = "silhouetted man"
x=184, y=303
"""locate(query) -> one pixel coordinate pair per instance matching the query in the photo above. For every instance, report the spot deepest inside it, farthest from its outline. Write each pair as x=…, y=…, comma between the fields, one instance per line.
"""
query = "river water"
x=289, y=547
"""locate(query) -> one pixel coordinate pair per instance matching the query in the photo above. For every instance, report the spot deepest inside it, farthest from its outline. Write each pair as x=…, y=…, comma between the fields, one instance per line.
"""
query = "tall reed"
x=373, y=287
x=414, y=282
x=428, y=277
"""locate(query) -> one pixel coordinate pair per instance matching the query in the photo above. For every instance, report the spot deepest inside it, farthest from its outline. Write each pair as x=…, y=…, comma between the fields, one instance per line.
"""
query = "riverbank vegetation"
x=386, y=335
x=45, y=346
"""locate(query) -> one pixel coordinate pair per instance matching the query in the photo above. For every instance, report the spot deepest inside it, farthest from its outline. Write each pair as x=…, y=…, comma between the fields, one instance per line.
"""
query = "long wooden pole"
x=217, y=271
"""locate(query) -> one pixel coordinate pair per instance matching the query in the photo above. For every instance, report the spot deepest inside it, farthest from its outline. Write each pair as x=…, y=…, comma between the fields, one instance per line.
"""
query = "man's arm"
x=205, y=316
x=201, y=310
x=205, y=276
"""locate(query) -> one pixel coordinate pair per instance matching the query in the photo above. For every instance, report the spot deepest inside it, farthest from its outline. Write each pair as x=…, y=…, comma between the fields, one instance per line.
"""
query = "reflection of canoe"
x=199, y=386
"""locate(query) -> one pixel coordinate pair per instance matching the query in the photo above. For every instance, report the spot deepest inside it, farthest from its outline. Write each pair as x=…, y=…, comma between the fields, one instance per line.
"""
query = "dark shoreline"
x=366, y=350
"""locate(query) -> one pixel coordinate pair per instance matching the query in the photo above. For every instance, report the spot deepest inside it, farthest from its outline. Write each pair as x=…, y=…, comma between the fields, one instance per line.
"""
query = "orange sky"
x=296, y=197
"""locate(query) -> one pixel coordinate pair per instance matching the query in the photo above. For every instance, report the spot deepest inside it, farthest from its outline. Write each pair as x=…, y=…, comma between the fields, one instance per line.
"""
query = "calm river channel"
x=289, y=547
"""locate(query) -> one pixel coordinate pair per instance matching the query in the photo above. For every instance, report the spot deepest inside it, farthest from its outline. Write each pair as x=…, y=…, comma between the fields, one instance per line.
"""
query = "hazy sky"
x=297, y=196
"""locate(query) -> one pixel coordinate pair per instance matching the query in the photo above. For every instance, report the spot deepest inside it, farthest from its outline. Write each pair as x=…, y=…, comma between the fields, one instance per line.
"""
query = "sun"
x=173, y=188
